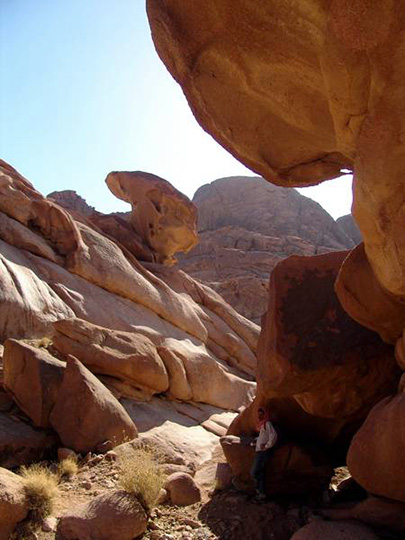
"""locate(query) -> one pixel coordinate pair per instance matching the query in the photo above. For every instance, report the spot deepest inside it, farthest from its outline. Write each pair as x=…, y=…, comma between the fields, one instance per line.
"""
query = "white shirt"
x=267, y=436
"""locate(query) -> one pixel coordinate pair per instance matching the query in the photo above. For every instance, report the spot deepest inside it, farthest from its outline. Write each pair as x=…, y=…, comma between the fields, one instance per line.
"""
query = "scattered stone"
x=49, y=524
x=182, y=489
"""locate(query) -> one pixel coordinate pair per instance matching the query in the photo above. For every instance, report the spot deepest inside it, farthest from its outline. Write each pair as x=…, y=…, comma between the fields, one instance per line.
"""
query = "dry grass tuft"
x=141, y=476
x=67, y=468
x=41, y=490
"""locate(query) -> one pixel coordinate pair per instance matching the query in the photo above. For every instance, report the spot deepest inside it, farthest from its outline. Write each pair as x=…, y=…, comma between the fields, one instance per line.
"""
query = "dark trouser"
x=258, y=471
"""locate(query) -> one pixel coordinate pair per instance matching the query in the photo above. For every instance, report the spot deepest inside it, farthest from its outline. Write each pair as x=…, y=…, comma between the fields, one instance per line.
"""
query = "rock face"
x=324, y=530
x=145, y=329
x=161, y=215
x=375, y=457
x=246, y=226
x=315, y=354
x=348, y=224
x=86, y=414
x=20, y=443
x=345, y=71
x=33, y=377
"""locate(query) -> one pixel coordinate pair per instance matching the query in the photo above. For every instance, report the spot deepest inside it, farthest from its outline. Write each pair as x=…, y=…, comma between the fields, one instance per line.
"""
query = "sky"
x=83, y=92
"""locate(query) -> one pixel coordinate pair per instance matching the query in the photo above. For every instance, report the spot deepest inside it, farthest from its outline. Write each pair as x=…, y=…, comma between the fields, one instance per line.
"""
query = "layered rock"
x=349, y=225
x=144, y=329
x=246, y=227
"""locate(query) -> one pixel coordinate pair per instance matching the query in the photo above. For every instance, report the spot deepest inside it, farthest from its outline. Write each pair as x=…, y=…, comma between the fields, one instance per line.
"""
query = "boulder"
x=130, y=357
x=326, y=530
x=111, y=516
x=182, y=489
x=181, y=368
x=312, y=350
x=164, y=218
x=86, y=414
x=384, y=514
x=376, y=454
x=290, y=469
x=33, y=377
x=20, y=443
x=371, y=306
x=13, y=504
x=239, y=64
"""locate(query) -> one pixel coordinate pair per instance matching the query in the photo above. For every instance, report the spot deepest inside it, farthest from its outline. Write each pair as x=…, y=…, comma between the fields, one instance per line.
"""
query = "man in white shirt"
x=264, y=443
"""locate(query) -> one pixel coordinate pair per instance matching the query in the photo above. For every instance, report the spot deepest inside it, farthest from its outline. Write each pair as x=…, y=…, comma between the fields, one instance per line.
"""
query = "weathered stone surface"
x=290, y=469
x=33, y=377
x=246, y=226
x=386, y=514
x=349, y=225
x=21, y=444
x=182, y=489
x=239, y=65
x=154, y=365
x=376, y=454
x=110, y=516
x=28, y=303
x=86, y=414
x=13, y=505
x=311, y=349
x=365, y=300
x=127, y=356
x=161, y=215
x=325, y=530
x=400, y=351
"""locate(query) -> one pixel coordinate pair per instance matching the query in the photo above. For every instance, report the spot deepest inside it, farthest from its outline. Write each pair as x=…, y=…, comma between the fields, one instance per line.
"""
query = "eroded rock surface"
x=161, y=215
x=246, y=226
x=375, y=457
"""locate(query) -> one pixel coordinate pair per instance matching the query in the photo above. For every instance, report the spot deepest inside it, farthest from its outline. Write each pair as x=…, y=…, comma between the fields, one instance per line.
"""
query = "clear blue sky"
x=83, y=93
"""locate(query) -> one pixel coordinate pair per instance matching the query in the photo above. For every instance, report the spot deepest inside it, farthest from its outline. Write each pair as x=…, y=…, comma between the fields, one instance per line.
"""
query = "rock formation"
x=161, y=215
x=143, y=329
x=246, y=226
x=70, y=200
x=301, y=92
x=349, y=225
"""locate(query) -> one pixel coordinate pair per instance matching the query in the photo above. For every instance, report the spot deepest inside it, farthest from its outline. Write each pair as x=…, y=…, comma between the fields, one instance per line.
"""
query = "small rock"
x=163, y=496
x=49, y=524
x=86, y=484
x=111, y=455
x=182, y=489
x=66, y=453
x=192, y=523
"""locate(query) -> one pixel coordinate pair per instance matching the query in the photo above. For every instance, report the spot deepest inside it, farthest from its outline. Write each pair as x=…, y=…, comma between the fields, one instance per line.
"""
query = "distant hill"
x=247, y=225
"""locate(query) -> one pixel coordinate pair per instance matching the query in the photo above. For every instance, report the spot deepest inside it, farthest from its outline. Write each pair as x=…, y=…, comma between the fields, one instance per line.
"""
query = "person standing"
x=264, y=444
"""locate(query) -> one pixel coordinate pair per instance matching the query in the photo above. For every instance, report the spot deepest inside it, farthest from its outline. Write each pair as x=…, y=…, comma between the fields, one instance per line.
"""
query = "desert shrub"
x=140, y=475
x=67, y=468
x=41, y=490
